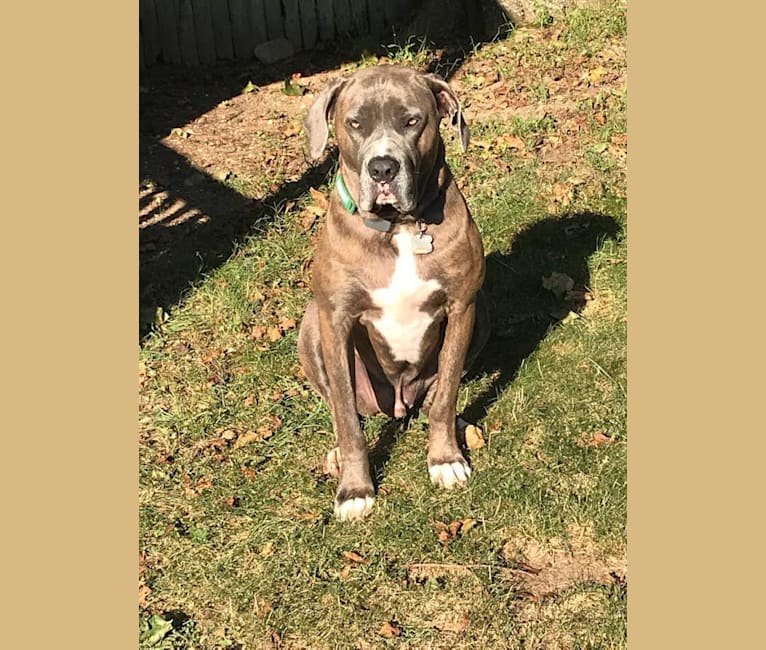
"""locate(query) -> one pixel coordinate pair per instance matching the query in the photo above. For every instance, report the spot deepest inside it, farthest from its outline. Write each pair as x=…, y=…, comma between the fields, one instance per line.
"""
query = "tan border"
x=70, y=82
x=695, y=490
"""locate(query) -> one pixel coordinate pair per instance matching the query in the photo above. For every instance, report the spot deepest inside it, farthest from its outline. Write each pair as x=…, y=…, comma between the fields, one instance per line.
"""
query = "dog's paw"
x=332, y=462
x=353, y=508
x=449, y=475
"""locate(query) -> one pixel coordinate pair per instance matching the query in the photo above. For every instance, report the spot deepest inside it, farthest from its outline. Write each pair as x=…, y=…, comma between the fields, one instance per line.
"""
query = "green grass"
x=240, y=546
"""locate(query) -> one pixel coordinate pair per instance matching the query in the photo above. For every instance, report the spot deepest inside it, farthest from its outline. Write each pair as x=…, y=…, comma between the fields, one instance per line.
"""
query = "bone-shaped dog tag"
x=422, y=244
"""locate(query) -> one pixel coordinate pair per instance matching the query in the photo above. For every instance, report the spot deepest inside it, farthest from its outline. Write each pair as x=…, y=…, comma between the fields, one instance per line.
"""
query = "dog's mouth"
x=383, y=194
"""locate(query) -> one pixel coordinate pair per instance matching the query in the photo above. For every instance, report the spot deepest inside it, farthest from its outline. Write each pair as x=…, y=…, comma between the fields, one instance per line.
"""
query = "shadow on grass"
x=174, y=253
x=522, y=311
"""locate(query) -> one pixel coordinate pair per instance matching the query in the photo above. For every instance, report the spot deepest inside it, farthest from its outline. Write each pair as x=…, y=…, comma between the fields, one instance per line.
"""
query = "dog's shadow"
x=522, y=311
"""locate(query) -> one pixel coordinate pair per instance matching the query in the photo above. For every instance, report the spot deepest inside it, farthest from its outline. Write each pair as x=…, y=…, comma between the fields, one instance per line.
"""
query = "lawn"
x=238, y=546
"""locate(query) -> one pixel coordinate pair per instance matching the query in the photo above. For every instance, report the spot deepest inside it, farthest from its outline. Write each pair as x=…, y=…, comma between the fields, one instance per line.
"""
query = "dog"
x=397, y=313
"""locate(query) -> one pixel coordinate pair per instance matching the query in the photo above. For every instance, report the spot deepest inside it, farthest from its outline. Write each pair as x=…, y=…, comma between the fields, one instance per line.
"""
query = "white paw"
x=354, y=509
x=448, y=475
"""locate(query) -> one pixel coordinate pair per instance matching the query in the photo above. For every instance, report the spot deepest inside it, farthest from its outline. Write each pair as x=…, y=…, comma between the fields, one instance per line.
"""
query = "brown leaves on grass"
x=448, y=533
x=598, y=439
x=474, y=437
x=273, y=333
x=228, y=437
x=390, y=630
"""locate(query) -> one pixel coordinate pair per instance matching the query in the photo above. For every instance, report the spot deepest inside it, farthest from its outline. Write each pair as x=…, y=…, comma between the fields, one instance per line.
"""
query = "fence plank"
x=397, y=12
x=224, y=46
x=203, y=26
x=309, y=27
x=342, y=13
x=274, y=26
x=326, y=19
x=167, y=19
x=150, y=34
x=359, y=16
x=258, y=22
x=186, y=34
x=240, y=29
x=293, y=23
x=376, y=16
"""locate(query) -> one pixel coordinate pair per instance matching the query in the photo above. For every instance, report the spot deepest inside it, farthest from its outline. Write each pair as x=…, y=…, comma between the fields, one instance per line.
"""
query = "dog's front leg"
x=355, y=494
x=446, y=464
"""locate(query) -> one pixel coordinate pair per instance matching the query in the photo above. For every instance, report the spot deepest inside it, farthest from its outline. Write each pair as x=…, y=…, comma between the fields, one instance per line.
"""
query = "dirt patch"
x=543, y=570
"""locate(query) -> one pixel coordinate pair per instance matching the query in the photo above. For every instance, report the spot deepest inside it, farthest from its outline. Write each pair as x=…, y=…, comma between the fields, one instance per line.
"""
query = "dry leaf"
x=389, y=630
x=514, y=142
x=468, y=523
x=228, y=434
x=319, y=198
x=248, y=472
x=353, y=556
x=143, y=593
x=474, y=437
x=258, y=332
x=287, y=324
x=246, y=438
x=558, y=283
x=274, y=333
x=249, y=400
x=345, y=572
x=267, y=550
x=599, y=438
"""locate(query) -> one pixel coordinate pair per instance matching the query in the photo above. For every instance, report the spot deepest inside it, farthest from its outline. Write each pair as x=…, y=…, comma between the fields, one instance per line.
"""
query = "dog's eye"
x=354, y=124
x=412, y=121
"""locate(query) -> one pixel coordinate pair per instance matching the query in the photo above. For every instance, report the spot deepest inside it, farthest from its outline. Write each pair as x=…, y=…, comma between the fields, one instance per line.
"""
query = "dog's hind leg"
x=310, y=351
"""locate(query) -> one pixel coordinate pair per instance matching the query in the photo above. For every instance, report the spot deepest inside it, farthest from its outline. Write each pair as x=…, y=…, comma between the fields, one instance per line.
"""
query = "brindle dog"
x=398, y=313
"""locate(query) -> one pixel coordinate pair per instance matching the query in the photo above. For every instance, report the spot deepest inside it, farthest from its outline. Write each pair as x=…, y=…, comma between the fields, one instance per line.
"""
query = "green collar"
x=345, y=197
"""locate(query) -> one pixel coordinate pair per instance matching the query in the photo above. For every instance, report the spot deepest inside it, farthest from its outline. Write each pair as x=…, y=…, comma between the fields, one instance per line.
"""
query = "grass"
x=239, y=547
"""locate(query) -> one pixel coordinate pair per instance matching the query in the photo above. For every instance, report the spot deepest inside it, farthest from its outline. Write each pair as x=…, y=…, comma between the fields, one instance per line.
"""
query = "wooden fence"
x=194, y=32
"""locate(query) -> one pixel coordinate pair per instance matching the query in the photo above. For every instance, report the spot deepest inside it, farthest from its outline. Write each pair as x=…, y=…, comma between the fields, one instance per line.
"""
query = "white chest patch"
x=402, y=323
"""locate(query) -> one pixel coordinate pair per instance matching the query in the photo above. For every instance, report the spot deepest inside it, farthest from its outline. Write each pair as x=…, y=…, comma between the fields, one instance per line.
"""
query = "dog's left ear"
x=449, y=105
x=319, y=115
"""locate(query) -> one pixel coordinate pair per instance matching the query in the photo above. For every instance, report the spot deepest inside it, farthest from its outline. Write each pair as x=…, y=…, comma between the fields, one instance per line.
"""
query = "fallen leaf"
x=267, y=550
x=319, y=198
x=345, y=572
x=257, y=332
x=619, y=139
x=353, y=556
x=143, y=594
x=250, y=87
x=389, y=630
x=474, y=437
x=287, y=324
x=558, y=283
x=599, y=438
x=249, y=400
x=248, y=472
x=514, y=142
x=274, y=333
x=228, y=434
x=468, y=523
x=293, y=89
x=247, y=438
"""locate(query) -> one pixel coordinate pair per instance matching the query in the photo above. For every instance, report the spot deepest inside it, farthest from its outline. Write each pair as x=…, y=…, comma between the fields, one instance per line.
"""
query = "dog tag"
x=422, y=244
x=376, y=223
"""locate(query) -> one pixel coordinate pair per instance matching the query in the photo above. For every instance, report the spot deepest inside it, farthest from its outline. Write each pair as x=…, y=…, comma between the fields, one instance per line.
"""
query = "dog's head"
x=386, y=121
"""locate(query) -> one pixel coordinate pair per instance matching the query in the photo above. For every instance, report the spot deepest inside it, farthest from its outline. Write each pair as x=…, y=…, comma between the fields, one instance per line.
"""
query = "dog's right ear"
x=319, y=116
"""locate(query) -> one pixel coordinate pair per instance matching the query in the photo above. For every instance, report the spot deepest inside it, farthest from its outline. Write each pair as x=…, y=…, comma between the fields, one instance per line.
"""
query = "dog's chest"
x=402, y=321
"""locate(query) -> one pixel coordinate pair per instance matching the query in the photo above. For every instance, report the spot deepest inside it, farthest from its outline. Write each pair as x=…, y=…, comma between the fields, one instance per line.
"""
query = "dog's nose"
x=383, y=169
